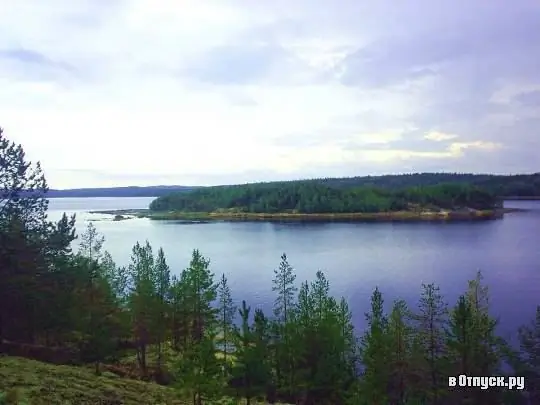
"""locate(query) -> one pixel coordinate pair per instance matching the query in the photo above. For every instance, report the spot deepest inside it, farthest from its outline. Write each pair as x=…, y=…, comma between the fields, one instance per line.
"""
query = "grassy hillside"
x=30, y=382
x=41, y=383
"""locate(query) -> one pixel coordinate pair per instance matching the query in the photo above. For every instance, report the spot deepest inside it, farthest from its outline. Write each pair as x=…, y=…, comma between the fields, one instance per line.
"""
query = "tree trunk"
x=141, y=358
x=159, y=356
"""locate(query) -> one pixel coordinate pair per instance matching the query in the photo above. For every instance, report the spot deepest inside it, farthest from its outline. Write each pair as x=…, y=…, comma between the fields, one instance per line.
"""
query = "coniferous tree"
x=198, y=368
x=487, y=345
x=142, y=300
x=250, y=369
x=400, y=342
x=179, y=313
x=198, y=371
x=227, y=311
x=91, y=243
x=375, y=353
x=97, y=315
x=529, y=339
x=431, y=320
x=163, y=280
x=201, y=292
x=283, y=286
x=261, y=336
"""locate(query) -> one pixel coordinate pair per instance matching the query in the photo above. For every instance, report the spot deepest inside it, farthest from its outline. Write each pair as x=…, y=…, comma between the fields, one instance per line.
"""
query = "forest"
x=149, y=191
x=183, y=338
x=314, y=197
x=519, y=185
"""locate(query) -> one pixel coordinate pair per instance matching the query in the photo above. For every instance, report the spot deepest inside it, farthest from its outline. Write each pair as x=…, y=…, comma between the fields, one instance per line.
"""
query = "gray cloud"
x=33, y=65
x=487, y=45
x=531, y=98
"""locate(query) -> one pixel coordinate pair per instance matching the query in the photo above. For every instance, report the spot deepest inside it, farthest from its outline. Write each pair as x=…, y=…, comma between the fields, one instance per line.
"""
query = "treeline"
x=132, y=191
x=521, y=185
x=316, y=197
x=184, y=330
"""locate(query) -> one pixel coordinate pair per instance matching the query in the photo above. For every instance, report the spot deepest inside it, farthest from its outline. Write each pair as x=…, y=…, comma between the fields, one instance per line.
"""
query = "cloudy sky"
x=133, y=92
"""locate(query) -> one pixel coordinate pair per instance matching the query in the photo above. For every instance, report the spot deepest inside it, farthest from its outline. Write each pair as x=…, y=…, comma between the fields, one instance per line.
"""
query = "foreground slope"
x=41, y=383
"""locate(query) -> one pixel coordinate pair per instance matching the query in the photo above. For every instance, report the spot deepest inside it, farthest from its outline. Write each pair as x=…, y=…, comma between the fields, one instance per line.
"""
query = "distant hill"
x=132, y=191
x=519, y=185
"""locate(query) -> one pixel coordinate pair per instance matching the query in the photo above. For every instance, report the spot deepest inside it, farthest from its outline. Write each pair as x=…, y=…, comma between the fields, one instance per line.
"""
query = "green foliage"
x=198, y=372
x=529, y=338
x=250, y=367
x=375, y=353
x=227, y=312
x=430, y=323
x=319, y=197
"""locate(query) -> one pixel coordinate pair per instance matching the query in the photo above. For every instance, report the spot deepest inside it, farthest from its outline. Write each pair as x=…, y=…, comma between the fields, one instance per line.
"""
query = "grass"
x=30, y=382
x=40, y=383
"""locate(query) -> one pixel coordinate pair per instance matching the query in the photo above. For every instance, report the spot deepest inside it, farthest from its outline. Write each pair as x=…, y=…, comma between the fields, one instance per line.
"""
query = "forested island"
x=313, y=200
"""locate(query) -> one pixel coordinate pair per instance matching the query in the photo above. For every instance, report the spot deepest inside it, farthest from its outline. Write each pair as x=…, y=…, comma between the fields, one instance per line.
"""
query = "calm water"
x=397, y=257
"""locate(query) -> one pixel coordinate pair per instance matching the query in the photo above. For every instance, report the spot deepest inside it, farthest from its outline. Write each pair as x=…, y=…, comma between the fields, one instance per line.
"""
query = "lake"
x=355, y=257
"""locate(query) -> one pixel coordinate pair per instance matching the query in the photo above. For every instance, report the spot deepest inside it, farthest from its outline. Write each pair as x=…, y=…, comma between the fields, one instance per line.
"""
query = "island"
x=313, y=201
x=416, y=196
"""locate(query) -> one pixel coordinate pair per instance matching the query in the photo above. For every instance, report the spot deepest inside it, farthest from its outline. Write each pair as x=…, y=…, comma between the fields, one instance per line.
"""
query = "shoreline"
x=444, y=216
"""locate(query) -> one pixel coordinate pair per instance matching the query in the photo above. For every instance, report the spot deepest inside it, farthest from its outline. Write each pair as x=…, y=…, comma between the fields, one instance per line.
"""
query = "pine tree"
x=117, y=277
x=96, y=313
x=99, y=317
x=198, y=371
x=283, y=286
x=375, y=353
x=227, y=312
x=142, y=300
x=179, y=310
x=91, y=244
x=250, y=369
x=400, y=342
x=486, y=350
x=473, y=345
x=163, y=280
x=529, y=339
x=431, y=320
x=200, y=291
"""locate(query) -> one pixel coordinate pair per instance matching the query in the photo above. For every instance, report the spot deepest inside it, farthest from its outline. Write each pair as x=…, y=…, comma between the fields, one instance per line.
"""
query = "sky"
x=145, y=92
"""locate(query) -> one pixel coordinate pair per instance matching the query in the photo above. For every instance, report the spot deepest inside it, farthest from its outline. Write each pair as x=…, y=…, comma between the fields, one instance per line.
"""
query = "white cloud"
x=439, y=136
x=117, y=87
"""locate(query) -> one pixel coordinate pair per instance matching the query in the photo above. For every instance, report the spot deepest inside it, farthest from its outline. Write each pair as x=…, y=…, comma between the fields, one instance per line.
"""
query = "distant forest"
x=523, y=185
x=151, y=191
